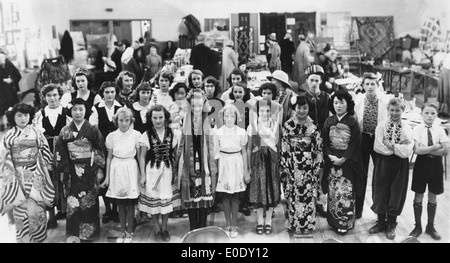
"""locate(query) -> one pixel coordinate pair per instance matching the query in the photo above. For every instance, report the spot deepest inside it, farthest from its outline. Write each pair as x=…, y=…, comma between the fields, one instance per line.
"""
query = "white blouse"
x=123, y=144
x=229, y=140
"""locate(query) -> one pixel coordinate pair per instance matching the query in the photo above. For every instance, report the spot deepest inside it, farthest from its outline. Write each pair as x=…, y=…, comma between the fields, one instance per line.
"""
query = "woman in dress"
x=343, y=164
x=263, y=158
x=80, y=155
x=301, y=167
x=26, y=185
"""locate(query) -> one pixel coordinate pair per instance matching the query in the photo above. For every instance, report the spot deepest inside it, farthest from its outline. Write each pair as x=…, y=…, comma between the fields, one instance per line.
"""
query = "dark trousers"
x=366, y=152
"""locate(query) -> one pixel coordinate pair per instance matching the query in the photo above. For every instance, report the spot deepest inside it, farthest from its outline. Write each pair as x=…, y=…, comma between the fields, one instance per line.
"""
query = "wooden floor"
x=178, y=227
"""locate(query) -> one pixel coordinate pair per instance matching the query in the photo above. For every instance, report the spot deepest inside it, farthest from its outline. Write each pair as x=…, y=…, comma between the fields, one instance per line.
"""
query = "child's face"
x=180, y=94
x=158, y=119
x=145, y=95
x=229, y=118
x=314, y=81
x=127, y=82
x=302, y=111
x=52, y=98
x=209, y=89
x=21, y=119
x=235, y=79
x=78, y=112
x=429, y=115
x=395, y=112
x=267, y=94
x=164, y=84
x=197, y=80
x=109, y=94
x=264, y=112
x=81, y=82
x=340, y=106
x=238, y=92
x=124, y=122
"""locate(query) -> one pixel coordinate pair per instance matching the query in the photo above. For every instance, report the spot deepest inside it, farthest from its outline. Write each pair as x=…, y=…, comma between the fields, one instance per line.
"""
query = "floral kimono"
x=26, y=185
x=342, y=138
x=79, y=154
x=301, y=162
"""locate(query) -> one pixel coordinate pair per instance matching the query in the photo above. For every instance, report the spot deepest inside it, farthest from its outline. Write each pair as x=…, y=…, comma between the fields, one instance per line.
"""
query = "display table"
x=421, y=78
x=256, y=79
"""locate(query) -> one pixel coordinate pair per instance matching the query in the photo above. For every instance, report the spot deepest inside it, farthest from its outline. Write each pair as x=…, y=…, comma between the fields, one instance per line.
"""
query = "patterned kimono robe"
x=26, y=185
x=79, y=154
x=342, y=138
x=301, y=162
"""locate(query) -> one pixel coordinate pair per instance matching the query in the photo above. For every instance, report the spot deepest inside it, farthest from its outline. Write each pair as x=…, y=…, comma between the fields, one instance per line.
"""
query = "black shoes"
x=416, y=231
x=165, y=236
x=60, y=215
x=380, y=226
x=432, y=232
x=390, y=231
x=106, y=218
x=51, y=223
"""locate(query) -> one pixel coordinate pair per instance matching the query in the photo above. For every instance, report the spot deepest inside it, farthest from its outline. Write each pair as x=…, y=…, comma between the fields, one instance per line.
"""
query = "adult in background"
x=153, y=64
x=117, y=55
x=287, y=51
x=301, y=61
x=275, y=61
x=202, y=57
x=229, y=62
x=9, y=86
x=327, y=61
x=169, y=51
x=129, y=63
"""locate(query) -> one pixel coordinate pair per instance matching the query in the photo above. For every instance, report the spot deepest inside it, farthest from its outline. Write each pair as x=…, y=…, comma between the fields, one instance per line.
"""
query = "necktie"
x=430, y=138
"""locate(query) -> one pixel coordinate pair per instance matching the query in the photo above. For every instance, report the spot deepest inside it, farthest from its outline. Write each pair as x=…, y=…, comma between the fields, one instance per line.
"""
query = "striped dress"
x=27, y=187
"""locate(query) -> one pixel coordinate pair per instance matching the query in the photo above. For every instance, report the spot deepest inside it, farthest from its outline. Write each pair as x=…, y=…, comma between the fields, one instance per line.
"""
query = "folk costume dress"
x=390, y=175
x=27, y=187
x=301, y=161
x=342, y=138
x=79, y=155
x=199, y=169
x=50, y=122
x=160, y=195
x=140, y=124
x=265, y=190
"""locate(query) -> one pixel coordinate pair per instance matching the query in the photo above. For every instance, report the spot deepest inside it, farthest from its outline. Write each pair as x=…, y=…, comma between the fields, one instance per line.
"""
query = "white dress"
x=123, y=176
x=228, y=149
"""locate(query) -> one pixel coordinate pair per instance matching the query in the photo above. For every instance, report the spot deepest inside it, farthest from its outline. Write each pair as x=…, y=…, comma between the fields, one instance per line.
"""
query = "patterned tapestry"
x=376, y=35
x=244, y=40
x=431, y=35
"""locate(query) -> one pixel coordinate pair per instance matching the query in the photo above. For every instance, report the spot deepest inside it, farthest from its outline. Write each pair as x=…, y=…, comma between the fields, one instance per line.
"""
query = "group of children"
x=186, y=148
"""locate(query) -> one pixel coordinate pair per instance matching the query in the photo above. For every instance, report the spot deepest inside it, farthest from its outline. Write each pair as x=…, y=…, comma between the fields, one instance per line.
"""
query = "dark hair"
x=239, y=72
x=263, y=102
x=197, y=72
x=37, y=97
x=300, y=101
x=142, y=86
x=270, y=86
x=108, y=84
x=50, y=87
x=176, y=88
x=20, y=107
x=157, y=108
x=165, y=74
x=119, y=79
x=342, y=95
x=215, y=82
x=83, y=72
x=246, y=91
x=431, y=105
x=80, y=101
x=242, y=62
x=369, y=75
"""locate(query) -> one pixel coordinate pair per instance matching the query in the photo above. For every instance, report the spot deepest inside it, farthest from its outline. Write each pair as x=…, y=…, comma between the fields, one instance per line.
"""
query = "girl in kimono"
x=199, y=169
x=156, y=162
x=301, y=167
x=102, y=116
x=394, y=144
x=343, y=165
x=122, y=171
x=230, y=148
x=27, y=187
x=51, y=119
x=263, y=158
x=80, y=156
